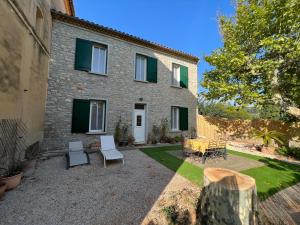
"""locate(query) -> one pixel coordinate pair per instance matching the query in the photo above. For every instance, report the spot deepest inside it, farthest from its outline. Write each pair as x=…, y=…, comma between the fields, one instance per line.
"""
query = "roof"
x=121, y=35
x=70, y=7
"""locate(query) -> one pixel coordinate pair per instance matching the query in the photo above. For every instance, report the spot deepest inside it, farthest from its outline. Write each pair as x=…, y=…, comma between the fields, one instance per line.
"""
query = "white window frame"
x=175, y=77
x=145, y=67
x=174, y=124
x=103, y=118
x=105, y=59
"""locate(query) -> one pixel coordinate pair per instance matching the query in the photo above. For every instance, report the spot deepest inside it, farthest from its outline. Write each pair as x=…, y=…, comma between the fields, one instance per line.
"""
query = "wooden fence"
x=214, y=127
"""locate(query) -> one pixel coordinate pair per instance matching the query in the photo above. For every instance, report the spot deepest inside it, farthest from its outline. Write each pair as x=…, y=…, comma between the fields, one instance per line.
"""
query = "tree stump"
x=228, y=197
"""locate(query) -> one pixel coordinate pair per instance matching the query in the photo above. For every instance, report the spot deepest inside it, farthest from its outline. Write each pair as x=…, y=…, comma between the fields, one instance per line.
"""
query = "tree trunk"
x=228, y=197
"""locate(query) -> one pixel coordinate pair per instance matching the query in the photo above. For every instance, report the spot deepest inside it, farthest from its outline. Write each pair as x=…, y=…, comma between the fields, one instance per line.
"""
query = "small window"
x=140, y=67
x=139, y=106
x=138, y=120
x=176, y=75
x=97, y=116
x=99, y=56
x=175, y=118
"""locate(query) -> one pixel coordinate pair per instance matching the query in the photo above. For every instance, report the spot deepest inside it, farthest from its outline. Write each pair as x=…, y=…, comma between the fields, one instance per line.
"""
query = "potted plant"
x=267, y=137
x=13, y=178
x=131, y=140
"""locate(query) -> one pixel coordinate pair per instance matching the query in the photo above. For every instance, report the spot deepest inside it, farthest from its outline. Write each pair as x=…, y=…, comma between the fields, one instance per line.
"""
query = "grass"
x=271, y=178
x=185, y=169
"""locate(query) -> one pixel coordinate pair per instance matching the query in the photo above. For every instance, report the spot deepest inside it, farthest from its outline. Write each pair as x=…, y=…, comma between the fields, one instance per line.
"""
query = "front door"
x=139, y=126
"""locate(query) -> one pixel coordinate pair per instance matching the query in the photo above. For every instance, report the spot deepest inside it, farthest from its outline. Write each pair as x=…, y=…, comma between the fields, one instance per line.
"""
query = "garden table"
x=197, y=145
x=209, y=148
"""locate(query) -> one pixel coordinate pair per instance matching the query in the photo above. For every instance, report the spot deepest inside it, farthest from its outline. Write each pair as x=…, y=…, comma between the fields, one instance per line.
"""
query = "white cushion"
x=107, y=142
x=77, y=158
x=112, y=154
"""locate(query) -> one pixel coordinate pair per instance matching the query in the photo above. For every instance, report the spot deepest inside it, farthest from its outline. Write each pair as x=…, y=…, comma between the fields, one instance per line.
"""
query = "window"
x=99, y=59
x=140, y=67
x=138, y=120
x=90, y=56
x=88, y=116
x=180, y=77
x=175, y=118
x=179, y=118
x=97, y=112
x=176, y=75
x=139, y=106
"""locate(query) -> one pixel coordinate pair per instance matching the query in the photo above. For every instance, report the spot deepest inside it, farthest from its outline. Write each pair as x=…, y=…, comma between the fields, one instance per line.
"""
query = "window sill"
x=142, y=81
x=95, y=132
x=98, y=74
x=175, y=131
x=173, y=86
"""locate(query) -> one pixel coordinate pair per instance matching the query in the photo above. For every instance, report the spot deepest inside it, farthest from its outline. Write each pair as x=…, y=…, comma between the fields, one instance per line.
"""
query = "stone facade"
x=119, y=88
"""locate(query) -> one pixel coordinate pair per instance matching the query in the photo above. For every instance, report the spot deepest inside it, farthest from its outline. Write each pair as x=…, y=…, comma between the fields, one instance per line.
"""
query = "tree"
x=218, y=109
x=259, y=62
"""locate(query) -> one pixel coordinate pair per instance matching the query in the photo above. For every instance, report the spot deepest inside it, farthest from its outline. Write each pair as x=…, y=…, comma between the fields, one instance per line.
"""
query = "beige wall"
x=212, y=127
x=24, y=57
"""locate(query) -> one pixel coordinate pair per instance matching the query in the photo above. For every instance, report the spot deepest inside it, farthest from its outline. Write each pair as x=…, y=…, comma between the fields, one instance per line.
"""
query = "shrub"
x=155, y=134
x=152, y=139
x=164, y=128
x=171, y=213
x=131, y=139
x=118, y=132
x=170, y=140
x=124, y=132
x=289, y=151
x=267, y=136
x=178, y=138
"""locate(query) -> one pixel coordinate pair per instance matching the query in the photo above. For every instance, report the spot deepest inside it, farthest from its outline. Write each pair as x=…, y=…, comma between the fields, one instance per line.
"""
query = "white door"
x=139, y=125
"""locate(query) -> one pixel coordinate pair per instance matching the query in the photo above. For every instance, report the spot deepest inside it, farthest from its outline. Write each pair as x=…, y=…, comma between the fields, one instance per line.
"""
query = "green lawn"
x=185, y=169
x=271, y=178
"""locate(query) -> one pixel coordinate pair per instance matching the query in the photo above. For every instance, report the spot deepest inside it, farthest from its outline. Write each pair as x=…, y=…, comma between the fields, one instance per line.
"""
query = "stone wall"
x=118, y=87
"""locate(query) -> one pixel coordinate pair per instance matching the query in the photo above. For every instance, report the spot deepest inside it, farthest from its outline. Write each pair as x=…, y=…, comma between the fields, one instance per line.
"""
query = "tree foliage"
x=259, y=62
x=218, y=109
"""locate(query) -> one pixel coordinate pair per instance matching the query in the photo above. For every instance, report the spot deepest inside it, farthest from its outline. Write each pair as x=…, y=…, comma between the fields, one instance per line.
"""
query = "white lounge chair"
x=108, y=149
x=76, y=155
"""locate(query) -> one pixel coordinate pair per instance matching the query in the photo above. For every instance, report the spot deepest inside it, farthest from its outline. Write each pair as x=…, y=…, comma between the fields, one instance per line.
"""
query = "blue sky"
x=187, y=25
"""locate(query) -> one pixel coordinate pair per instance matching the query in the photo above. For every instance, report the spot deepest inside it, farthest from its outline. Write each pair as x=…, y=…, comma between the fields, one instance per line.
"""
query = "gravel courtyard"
x=119, y=194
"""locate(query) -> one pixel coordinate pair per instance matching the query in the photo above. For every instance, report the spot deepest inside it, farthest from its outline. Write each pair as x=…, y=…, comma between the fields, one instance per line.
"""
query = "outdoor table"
x=197, y=145
x=203, y=146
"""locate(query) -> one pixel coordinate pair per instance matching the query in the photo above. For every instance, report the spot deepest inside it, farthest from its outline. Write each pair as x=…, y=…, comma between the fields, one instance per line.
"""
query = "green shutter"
x=80, y=116
x=183, y=118
x=83, y=55
x=184, y=77
x=152, y=69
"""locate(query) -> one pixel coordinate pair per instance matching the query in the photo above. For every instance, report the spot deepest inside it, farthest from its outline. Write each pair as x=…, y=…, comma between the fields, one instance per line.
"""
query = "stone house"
x=25, y=39
x=99, y=76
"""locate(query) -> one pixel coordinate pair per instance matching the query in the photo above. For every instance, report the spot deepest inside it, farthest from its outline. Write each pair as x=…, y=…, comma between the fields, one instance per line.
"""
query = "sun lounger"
x=76, y=155
x=108, y=149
